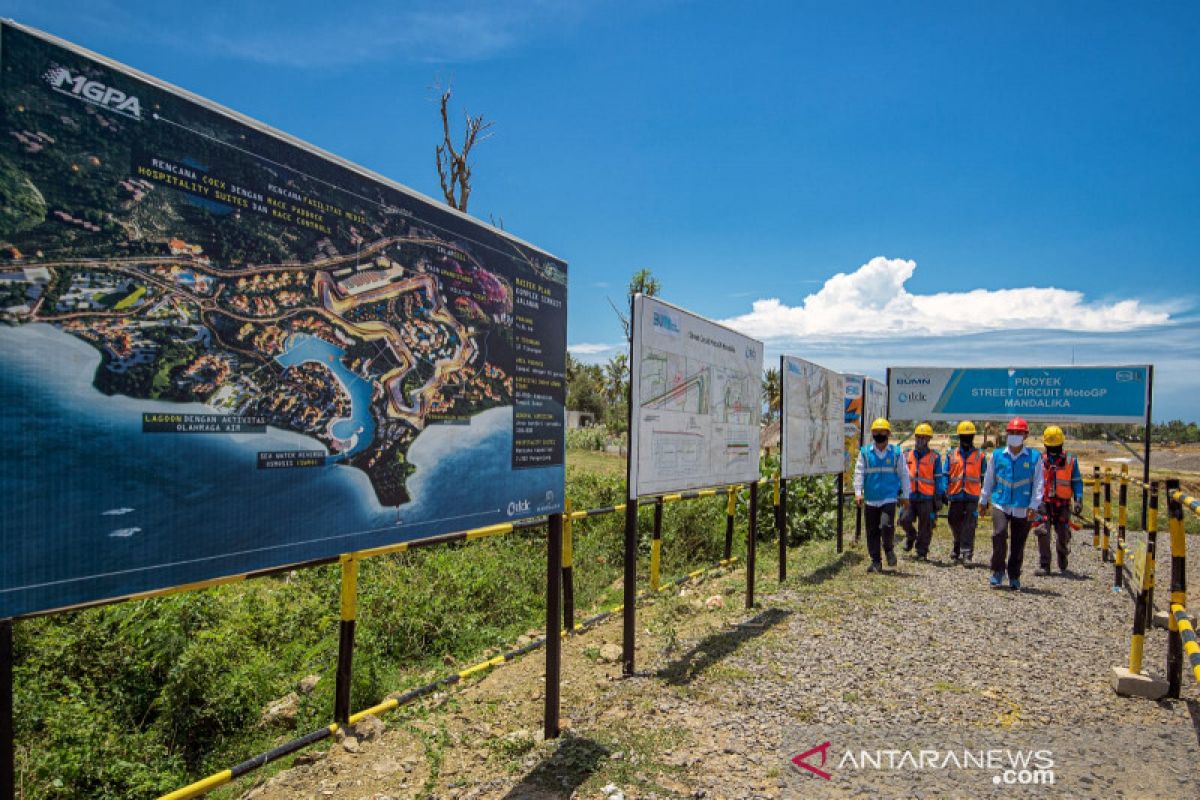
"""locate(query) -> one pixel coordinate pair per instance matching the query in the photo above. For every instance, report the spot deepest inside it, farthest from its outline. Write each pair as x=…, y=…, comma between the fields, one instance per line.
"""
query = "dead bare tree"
x=453, y=165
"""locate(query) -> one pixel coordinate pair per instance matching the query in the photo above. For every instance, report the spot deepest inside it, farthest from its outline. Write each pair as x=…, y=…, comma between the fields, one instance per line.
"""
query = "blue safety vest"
x=881, y=484
x=1014, y=477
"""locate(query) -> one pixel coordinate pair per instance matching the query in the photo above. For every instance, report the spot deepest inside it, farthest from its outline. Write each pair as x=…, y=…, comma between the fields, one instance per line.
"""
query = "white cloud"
x=872, y=302
x=593, y=348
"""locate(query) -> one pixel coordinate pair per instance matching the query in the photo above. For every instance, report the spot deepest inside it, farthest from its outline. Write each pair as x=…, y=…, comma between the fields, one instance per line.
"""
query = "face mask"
x=1054, y=450
x=966, y=441
x=880, y=438
x=1015, y=440
x=922, y=443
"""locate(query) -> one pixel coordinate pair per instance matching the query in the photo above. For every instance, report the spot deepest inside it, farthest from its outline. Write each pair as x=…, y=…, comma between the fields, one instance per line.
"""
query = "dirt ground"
x=726, y=696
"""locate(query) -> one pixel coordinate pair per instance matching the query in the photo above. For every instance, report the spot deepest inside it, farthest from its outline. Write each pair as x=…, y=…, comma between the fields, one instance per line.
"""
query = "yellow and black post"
x=730, y=510
x=751, y=544
x=1096, y=507
x=568, y=570
x=781, y=524
x=345, y=662
x=656, y=545
x=554, y=564
x=1178, y=588
x=1122, y=519
x=8, y=745
x=1107, y=510
x=1141, y=612
x=841, y=502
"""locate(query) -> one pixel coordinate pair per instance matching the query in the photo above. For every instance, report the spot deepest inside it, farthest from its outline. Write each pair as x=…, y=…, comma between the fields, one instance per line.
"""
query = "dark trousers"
x=963, y=515
x=1002, y=524
x=920, y=511
x=1058, y=517
x=881, y=527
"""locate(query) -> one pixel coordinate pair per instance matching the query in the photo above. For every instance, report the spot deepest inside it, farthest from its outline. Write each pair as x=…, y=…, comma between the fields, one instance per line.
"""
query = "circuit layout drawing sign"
x=1045, y=394
x=874, y=404
x=696, y=389
x=813, y=418
x=852, y=421
x=227, y=351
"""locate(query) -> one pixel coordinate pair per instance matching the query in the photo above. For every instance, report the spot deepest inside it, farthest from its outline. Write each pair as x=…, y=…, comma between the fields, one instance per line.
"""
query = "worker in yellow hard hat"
x=1063, y=492
x=880, y=479
x=965, y=468
x=928, y=488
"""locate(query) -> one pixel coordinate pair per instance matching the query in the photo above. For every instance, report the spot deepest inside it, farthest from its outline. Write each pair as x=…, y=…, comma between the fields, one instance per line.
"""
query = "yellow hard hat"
x=881, y=424
x=924, y=429
x=1053, y=436
x=966, y=428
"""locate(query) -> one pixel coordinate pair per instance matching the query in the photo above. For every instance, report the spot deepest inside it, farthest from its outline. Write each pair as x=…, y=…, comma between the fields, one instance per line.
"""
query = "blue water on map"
x=303, y=347
x=194, y=506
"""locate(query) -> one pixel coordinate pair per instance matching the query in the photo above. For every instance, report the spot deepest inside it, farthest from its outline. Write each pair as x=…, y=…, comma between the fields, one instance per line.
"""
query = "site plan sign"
x=227, y=351
x=874, y=405
x=852, y=422
x=1044, y=394
x=697, y=400
x=813, y=418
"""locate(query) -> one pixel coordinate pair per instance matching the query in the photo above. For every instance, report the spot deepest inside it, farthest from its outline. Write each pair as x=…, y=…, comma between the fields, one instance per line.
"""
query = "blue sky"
x=994, y=183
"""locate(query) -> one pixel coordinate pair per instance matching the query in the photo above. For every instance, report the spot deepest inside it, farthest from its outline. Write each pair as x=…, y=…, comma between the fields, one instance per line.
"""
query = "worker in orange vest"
x=965, y=468
x=928, y=488
x=1063, y=491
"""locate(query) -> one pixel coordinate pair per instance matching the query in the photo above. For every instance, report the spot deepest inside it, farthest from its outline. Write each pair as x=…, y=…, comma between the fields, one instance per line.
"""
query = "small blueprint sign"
x=1058, y=394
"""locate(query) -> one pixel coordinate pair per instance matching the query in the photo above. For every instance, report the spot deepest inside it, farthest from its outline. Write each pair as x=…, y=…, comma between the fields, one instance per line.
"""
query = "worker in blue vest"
x=880, y=480
x=1014, y=484
x=928, y=488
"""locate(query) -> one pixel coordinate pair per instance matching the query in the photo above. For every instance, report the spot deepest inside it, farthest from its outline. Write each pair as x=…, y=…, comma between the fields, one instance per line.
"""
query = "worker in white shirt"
x=880, y=479
x=1014, y=484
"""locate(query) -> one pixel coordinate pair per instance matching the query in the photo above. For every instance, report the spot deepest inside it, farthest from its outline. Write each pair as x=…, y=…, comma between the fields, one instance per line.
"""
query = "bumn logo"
x=94, y=92
x=664, y=321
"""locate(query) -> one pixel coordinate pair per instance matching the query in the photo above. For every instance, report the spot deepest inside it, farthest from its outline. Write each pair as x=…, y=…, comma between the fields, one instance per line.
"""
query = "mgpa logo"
x=82, y=87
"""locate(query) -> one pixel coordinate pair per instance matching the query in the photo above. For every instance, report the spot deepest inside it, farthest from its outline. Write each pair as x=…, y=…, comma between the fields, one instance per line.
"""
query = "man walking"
x=880, y=477
x=928, y=487
x=1013, y=485
x=1063, y=491
x=965, y=466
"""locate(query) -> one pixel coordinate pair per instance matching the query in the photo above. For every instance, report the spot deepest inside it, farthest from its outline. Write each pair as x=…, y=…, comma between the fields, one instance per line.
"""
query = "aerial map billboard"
x=224, y=350
x=874, y=404
x=852, y=422
x=697, y=399
x=1045, y=394
x=813, y=418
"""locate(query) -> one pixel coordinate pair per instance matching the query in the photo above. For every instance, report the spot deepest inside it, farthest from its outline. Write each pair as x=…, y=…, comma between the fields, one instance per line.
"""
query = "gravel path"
x=923, y=658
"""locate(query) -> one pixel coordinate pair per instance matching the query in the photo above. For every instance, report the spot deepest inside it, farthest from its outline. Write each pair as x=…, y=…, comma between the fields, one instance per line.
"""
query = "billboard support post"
x=1146, y=442
x=345, y=662
x=568, y=569
x=781, y=526
x=628, y=613
x=730, y=511
x=8, y=779
x=554, y=562
x=751, y=544
x=656, y=544
x=841, y=502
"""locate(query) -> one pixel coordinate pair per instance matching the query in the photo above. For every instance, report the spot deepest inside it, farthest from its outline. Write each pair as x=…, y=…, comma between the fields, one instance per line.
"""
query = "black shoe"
x=875, y=567
x=1043, y=571
x=908, y=546
x=891, y=559
x=1063, y=571
x=955, y=557
x=1062, y=567
x=966, y=560
x=922, y=557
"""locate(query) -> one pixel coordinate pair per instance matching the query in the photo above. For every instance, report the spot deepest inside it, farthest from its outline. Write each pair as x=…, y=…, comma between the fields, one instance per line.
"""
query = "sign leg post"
x=656, y=545
x=781, y=527
x=630, y=587
x=841, y=502
x=345, y=662
x=751, y=544
x=730, y=510
x=568, y=570
x=8, y=744
x=554, y=561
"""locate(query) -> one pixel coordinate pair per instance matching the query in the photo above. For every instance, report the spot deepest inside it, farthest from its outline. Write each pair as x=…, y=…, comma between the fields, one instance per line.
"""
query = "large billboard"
x=813, y=418
x=1047, y=394
x=697, y=399
x=874, y=404
x=228, y=351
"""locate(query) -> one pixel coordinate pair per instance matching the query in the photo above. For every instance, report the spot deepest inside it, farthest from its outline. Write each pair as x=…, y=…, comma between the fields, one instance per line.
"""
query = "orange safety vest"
x=921, y=473
x=1058, y=479
x=966, y=475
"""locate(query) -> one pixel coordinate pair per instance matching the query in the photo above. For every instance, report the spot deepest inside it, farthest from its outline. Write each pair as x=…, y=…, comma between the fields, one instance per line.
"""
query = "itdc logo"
x=915, y=397
x=663, y=320
x=518, y=507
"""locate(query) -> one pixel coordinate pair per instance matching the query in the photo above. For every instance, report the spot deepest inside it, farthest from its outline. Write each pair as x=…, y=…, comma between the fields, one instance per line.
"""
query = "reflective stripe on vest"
x=966, y=475
x=881, y=484
x=1014, y=478
x=1059, y=480
x=920, y=469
